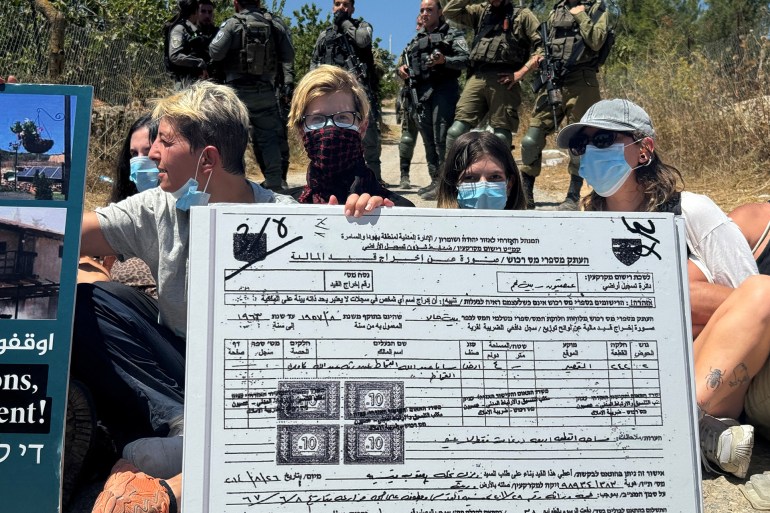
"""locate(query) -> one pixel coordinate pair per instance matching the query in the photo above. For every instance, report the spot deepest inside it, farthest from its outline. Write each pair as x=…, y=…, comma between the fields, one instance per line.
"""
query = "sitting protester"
x=616, y=144
x=329, y=114
x=131, y=355
x=479, y=172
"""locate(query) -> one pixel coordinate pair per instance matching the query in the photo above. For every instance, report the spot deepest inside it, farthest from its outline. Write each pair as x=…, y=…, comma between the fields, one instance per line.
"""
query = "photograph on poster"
x=31, y=243
x=35, y=146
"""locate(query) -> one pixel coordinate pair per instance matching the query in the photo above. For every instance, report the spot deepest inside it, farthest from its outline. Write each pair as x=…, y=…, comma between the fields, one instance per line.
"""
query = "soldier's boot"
x=504, y=135
x=573, y=194
x=457, y=129
x=529, y=190
x=404, y=184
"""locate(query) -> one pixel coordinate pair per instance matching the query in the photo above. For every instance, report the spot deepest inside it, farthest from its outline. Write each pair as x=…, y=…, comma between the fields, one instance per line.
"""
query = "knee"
x=532, y=144
x=504, y=135
x=457, y=129
x=754, y=293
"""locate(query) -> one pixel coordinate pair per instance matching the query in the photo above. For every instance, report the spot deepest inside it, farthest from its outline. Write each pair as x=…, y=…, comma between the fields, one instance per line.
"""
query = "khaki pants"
x=483, y=95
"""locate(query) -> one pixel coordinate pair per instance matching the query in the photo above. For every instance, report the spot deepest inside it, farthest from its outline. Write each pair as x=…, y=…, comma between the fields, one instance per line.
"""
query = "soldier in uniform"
x=405, y=117
x=577, y=34
x=206, y=33
x=499, y=59
x=180, y=35
x=348, y=44
x=437, y=56
x=251, y=71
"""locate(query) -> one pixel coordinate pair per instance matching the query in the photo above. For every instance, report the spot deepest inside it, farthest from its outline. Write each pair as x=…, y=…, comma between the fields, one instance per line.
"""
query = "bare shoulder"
x=752, y=219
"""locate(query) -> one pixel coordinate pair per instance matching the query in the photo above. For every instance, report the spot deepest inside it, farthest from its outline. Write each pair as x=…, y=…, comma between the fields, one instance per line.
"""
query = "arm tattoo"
x=714, y=379
x=740, y=376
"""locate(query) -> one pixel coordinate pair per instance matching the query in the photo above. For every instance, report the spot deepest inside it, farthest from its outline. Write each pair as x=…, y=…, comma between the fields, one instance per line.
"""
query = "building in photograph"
x=30, y=270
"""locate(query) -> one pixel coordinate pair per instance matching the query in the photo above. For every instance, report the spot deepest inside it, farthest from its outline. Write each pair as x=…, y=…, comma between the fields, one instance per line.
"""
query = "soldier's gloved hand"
x=340, y=17
x=287, y=92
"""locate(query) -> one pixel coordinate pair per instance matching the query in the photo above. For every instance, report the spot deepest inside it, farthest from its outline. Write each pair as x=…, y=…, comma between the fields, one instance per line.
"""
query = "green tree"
x=729, y=18
x=307, y=26
x=42, y=183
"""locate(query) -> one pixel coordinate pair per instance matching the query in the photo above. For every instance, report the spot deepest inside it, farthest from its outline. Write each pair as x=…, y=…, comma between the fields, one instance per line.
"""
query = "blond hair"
x=208, y=114
x=323, y=80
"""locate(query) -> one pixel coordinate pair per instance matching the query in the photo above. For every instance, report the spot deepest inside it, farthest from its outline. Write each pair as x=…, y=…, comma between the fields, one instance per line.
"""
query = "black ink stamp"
x=308, y=400
x=374, y=444
x=627, y=251
x=308, y=445
x=374, y=400
x=249, y=247
x=647, y=233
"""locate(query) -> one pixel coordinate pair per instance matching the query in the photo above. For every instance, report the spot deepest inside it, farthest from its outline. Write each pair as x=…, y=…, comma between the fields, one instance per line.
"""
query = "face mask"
x=188, y=195
x=332, y=150
x=144, y=173
x=606, y=170
x=482, y=195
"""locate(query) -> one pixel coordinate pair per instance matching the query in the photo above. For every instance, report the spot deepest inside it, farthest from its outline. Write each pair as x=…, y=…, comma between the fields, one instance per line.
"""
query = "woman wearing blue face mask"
x=616, y=143
x=479, y=172
x=134, y=171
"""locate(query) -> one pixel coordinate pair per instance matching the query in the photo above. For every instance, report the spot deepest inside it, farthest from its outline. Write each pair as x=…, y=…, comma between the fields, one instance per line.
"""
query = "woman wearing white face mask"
x=479, y=172
x=730, y=305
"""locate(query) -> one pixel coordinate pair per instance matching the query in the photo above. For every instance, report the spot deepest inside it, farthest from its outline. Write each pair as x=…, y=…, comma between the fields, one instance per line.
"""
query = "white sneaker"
x=159, y=457
x=727, y=444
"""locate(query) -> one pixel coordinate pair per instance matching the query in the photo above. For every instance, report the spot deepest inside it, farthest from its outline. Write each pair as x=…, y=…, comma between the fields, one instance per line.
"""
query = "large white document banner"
x=438, y=361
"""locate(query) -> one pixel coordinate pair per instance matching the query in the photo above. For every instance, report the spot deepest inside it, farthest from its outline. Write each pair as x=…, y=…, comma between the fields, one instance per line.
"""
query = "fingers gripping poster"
x=44, y=132
x=427, y=361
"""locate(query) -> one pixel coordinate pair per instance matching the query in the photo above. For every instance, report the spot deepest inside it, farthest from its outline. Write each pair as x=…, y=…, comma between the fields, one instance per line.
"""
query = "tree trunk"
x=56, y=39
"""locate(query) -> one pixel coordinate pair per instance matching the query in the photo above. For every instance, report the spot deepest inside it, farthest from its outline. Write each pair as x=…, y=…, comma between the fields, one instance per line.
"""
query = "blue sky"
x=388, y=17
x=18, y=107
x=54, y=219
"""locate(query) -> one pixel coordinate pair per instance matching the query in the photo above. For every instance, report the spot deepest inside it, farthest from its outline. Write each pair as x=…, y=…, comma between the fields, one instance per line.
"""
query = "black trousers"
x=132, y=365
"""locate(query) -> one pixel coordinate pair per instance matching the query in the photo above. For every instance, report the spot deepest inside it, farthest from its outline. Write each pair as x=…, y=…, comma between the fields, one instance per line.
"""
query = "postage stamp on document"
x=374, y=444
x=374, y=400
x=308, y=400
x=300, y=444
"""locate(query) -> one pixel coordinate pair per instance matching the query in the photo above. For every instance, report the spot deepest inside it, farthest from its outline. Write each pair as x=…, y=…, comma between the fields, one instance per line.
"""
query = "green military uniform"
x=253, y=81
x=503, y=39
x=436, y=86
x=349, y=46
x=184, y=58
x=574, y=42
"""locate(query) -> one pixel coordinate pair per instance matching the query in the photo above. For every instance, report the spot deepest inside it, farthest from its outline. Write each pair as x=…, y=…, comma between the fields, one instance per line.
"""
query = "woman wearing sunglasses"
x=329, y=113
x=479, y=172
x=730, y=305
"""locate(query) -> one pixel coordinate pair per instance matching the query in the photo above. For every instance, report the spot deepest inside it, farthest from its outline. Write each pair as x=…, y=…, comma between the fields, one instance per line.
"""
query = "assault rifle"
x=358, y=68
x=413, y=104
x=548, y=71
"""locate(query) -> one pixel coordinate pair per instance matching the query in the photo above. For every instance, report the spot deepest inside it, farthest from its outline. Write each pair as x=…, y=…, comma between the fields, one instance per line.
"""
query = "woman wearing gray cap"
x=615, y=141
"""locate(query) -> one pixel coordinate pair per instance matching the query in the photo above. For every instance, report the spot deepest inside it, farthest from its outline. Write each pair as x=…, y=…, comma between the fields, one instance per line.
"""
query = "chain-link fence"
x=121, y=71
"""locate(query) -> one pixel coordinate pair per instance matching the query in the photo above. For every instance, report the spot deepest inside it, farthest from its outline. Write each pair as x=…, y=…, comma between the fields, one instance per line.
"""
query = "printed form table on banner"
x=534, y=363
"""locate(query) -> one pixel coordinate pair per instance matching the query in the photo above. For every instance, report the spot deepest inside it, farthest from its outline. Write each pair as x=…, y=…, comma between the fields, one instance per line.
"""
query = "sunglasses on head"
x=601, y=139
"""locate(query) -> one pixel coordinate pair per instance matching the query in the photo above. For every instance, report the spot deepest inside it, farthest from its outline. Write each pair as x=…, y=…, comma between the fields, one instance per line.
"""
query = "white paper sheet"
x=433, y=361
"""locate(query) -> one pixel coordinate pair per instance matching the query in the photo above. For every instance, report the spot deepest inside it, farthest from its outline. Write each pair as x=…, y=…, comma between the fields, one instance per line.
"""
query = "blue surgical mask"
x=188, y=195
x=482, y=195
x=606, y=170
x=144, y=173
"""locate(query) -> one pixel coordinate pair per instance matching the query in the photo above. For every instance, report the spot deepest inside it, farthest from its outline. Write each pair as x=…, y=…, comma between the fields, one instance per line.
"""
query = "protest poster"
x=44, y=132
x=438, y=361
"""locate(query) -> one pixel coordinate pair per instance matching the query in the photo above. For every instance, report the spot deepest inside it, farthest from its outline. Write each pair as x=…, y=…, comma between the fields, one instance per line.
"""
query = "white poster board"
x=427, y=361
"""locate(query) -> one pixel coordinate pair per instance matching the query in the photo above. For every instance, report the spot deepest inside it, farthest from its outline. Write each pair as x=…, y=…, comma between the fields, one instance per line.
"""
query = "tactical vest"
x=258, y=53
x=339, y=51
x=495, y=42
x=189, y=35
x=565, y=42
x=420, y=53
